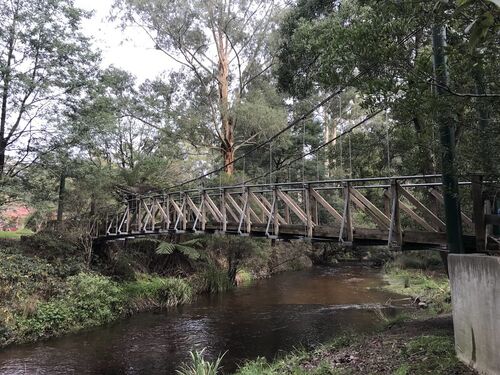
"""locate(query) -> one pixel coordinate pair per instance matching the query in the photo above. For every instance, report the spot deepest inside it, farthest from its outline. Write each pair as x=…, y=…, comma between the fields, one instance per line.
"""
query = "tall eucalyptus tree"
x=222, y=46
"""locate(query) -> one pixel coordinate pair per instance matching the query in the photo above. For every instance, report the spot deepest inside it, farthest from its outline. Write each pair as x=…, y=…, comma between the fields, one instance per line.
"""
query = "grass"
x=300, y=361
x=244, y=277
x=150, y=291
x=199, y=366
x=416, y=276
x=212, y=280
x=437, y=354
x=15, y=235
x=399, y=353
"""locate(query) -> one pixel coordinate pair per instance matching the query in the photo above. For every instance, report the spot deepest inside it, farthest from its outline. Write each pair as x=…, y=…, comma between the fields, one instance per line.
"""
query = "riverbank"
x=48, y=288
x=417, y=347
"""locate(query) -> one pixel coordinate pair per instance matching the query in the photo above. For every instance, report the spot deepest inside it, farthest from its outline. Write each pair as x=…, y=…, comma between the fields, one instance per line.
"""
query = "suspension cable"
x=301, y=117
x=323, y=145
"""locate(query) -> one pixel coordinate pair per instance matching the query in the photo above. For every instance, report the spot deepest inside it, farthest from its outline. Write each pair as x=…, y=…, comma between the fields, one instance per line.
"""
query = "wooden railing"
x=405, y=211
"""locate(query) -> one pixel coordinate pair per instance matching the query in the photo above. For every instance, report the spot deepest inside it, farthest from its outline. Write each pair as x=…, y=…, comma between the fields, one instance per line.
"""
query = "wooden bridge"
x=401, y=212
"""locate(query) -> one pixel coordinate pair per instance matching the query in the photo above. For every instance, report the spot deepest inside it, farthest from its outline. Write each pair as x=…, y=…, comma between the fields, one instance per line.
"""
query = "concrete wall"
x=475, y=289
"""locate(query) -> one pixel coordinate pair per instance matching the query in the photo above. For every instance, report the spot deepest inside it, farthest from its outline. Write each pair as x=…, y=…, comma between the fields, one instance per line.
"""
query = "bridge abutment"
x=475, y=288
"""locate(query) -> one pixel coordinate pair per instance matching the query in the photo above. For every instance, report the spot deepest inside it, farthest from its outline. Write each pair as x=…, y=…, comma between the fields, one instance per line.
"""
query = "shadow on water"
x=272, y=315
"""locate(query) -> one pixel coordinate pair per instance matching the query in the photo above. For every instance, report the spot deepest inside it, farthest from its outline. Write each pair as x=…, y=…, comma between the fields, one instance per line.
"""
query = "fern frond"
x=165, y=248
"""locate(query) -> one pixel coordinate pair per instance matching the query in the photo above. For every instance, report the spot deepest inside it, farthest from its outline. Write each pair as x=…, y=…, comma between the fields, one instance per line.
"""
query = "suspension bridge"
x=404, y=212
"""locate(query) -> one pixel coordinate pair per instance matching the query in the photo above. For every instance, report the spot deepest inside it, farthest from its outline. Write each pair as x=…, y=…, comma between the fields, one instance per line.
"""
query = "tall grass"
x=213, y=280
x=156, y=292
x=200, y=366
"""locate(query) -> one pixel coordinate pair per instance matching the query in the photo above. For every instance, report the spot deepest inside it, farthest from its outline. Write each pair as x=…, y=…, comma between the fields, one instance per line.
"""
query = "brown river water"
x=269, y=317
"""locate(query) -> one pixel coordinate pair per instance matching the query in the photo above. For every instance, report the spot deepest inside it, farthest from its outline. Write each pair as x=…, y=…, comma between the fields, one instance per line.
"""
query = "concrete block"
x=475, y=295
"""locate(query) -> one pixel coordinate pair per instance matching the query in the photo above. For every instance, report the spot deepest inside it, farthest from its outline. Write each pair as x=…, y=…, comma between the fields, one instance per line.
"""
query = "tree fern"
x=188, y=248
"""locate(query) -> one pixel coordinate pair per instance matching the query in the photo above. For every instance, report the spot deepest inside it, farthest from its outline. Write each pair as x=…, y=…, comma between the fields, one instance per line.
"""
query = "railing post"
x=203, y=211
x=395, y=234
x=138, y=212
x=247, y=210
x=478, y=212
x=184, y=212
x=308, y=202
x=387, y=203
x=224, y=211
x=153, y=215
x=167, y=211
x=128, y=216
x=346, y=229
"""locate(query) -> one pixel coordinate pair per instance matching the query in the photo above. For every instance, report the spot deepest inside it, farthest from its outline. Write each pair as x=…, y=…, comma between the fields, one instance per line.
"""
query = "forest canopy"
x=76, y=135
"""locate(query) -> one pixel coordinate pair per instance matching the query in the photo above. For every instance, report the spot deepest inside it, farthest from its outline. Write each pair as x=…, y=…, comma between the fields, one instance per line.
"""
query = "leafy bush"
x=123, y=269
x=95, y=299
x=90, y=300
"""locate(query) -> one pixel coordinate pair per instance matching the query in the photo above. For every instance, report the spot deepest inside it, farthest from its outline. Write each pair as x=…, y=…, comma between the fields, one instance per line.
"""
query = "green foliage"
x=188, y=248
x=156, y=292
x=90, y=300
x=51, y=245
x=200, y=366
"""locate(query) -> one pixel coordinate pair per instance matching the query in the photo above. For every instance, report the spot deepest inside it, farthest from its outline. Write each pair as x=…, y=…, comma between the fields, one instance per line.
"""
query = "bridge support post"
x=309, y=209
x=203, y=211
x=395, y=233
x=346, y=229
x=224, y=210
x=184, y=212
x=478, y=212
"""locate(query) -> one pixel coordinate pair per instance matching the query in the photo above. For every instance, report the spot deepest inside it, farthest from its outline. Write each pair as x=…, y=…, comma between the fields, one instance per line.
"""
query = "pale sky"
x=131, y=50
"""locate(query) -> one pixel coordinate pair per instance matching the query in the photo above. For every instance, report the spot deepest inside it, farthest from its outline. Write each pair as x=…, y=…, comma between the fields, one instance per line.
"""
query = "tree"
x=388, y=48
x=222, y=46
x=44, y=60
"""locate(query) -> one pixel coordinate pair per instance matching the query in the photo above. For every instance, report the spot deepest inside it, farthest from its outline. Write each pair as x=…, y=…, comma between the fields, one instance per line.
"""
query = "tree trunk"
x=2, y=156
x=425, y=157
x=226, y=119
x=60, y=202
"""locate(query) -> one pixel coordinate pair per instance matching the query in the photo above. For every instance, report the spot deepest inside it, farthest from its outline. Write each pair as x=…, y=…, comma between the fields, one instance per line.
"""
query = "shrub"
x=94, y=299
x=90, y=300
